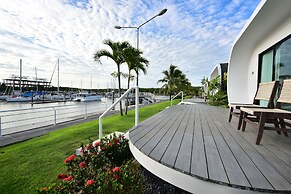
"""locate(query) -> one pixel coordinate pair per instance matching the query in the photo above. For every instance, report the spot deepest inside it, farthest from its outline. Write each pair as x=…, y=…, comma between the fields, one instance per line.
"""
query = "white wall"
x=215, y=72
x=270, y=23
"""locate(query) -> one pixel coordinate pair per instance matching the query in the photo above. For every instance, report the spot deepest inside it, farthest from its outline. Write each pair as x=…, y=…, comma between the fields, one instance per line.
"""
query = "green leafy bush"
x=105, y=166
x=218, y=99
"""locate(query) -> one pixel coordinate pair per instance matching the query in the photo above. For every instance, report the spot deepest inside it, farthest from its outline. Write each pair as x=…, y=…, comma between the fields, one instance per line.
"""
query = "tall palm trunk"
x=119, y=89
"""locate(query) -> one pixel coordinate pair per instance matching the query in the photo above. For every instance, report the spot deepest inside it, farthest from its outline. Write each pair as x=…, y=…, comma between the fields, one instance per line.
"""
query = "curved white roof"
x=243, y=64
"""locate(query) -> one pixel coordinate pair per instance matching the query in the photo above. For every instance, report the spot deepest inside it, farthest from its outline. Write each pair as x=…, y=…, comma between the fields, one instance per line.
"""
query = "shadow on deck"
x=192, y=146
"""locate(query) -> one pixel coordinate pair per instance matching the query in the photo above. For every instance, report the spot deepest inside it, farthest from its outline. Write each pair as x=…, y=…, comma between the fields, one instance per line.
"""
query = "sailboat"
x=85, y=96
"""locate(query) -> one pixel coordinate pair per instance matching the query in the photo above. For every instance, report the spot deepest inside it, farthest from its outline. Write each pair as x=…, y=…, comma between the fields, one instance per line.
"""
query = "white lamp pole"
x=137, y=32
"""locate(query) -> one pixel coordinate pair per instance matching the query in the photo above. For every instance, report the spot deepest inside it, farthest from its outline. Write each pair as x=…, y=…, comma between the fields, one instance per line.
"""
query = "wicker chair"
x=266, y=91
x=276, y=115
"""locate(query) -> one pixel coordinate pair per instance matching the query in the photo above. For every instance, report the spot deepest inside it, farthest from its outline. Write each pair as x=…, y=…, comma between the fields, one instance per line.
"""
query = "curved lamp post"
x=137, y=32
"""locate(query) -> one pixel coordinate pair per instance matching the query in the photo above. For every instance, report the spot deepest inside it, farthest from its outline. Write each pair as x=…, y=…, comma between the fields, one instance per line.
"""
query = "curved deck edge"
x=183, y=181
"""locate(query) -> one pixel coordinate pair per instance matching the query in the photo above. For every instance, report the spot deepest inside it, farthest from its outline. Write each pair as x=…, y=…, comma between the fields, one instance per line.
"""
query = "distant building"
x=262, y=51
x=220, y=70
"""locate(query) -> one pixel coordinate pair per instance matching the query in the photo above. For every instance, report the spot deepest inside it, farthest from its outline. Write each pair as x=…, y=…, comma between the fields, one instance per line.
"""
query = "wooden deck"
x=198, y=141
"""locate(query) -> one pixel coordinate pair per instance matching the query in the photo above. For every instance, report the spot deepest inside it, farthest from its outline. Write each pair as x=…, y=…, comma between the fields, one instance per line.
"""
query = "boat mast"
x=58, y=76
x=91, y=83
x=20, y=76
x=36, y=79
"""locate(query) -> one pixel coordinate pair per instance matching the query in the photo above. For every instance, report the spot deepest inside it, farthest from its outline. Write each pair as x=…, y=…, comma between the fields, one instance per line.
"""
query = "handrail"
x=45, y=107
x=115, y=103
x=176, y=96
x=12, y=120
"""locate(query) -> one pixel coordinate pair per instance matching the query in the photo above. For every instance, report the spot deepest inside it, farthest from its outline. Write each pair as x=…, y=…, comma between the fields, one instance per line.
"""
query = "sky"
x=194, y=35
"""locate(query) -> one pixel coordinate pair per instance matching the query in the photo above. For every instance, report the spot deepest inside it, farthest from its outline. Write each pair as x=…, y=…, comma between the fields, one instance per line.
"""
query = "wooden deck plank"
x=274, y=169
x=158, y=117
x=272, y=177
x=158, y=152
x=201, y=142
x=198, y=164
x=233, y=170
x=253, y=174
x=141, y=139
x=183, y=161
x=215, y=166
x=156, y=138
x=171, y=152
x=148, y=124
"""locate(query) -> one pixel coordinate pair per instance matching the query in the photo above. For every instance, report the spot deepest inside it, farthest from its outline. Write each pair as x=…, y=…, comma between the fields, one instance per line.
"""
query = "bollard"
x=86, y=112
x=55, y=116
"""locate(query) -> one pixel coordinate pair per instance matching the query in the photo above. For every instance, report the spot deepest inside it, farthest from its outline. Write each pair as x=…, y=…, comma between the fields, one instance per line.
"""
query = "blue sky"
x=194, y=35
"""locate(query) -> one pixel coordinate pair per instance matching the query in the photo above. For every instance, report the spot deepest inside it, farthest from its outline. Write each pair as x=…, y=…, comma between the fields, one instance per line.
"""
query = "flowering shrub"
x=103, y=167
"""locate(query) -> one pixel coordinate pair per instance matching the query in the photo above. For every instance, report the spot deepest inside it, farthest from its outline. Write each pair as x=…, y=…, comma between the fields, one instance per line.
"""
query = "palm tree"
x=116, y=54
x=136, y=62
x=173, y=79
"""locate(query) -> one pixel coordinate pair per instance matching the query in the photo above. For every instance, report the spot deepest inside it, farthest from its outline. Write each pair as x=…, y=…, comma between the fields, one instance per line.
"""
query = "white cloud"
x=194, y=35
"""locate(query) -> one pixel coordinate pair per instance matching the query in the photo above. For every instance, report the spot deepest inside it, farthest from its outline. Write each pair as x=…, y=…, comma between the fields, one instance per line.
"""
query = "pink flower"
x=82, y=165
x=69, y=159
x=96, y=144
x=116, y=169
x=88, y=147
x=90, y=182
x=116, y=140
x=69, y=178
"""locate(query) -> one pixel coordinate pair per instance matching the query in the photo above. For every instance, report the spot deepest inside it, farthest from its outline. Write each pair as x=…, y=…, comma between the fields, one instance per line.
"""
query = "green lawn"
x=28, y=165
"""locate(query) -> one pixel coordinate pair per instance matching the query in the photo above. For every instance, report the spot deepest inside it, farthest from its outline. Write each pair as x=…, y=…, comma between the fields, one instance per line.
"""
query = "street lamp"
x=137, y=32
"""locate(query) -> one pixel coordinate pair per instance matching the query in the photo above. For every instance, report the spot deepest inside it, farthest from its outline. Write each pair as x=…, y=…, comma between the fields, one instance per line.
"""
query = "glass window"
x=283, y=61
x=267, y=67
x=275, y=64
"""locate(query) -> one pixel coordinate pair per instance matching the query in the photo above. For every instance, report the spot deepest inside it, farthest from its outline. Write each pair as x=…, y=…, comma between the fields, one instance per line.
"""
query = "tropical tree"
x=173, y=80
x=135, y=61
x=116, y=54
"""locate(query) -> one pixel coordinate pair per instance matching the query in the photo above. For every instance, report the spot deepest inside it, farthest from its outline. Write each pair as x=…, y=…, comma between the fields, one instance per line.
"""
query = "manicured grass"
x=28, y=165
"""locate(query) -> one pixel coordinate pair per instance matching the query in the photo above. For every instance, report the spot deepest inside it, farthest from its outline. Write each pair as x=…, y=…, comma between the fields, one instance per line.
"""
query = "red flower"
x=82, y=165
x=88, y=147
x=102, y=148
x=69, y=159
x=123, y=137
x=96, y=144
x=116, y=169
x=62, y=176
x=90, y=182
x=109, y=144
x=115, y=176
x=116, y=140
x=69, y=178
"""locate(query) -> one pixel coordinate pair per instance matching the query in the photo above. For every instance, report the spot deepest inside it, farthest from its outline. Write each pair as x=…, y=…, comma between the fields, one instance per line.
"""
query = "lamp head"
x=162, y=12
x=117, y=27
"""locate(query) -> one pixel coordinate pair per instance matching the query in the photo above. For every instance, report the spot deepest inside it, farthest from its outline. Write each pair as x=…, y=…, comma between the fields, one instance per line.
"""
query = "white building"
x=262, y=51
